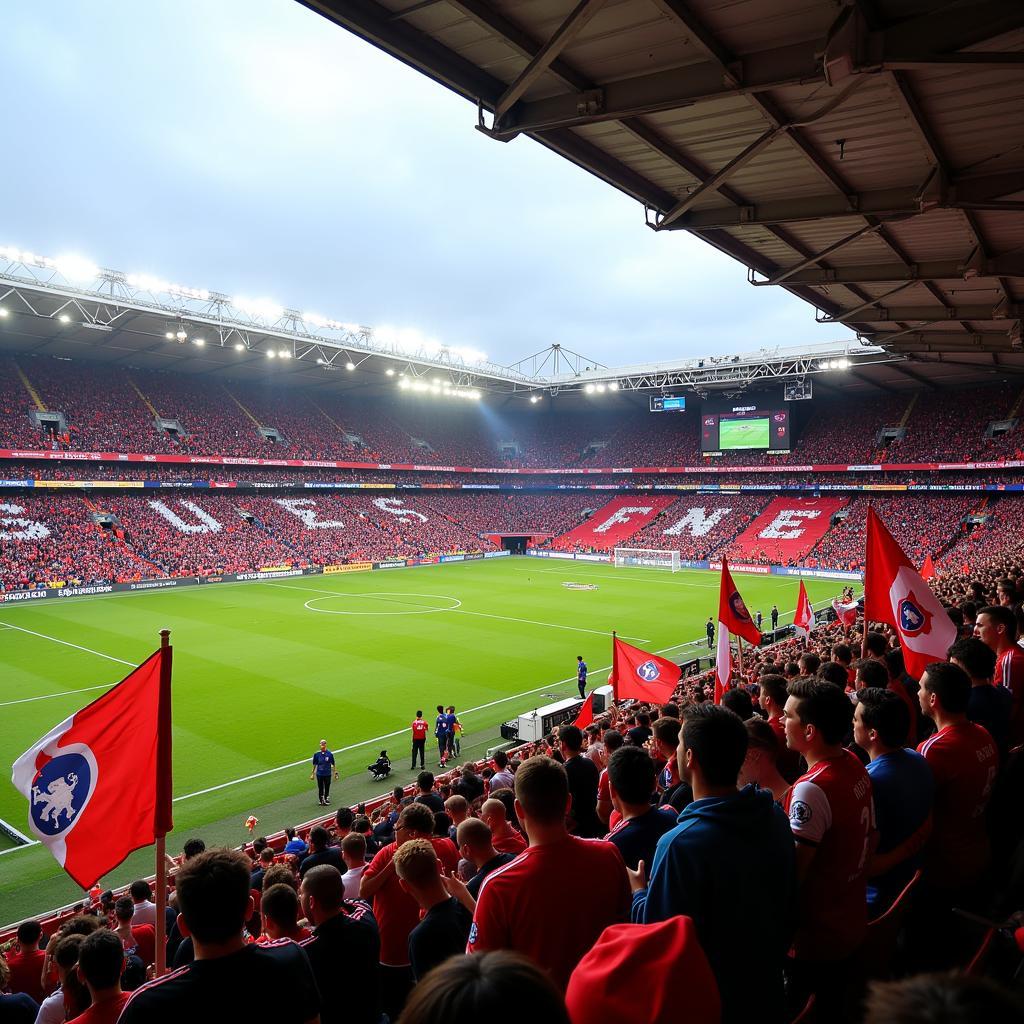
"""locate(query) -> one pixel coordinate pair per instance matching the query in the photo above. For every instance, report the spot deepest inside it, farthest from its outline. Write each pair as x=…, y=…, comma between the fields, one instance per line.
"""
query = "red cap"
x=645, y=972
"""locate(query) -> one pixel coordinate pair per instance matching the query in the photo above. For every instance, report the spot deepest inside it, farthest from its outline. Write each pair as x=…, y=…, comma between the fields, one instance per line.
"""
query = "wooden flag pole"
x=160, y=966
x=739, y=653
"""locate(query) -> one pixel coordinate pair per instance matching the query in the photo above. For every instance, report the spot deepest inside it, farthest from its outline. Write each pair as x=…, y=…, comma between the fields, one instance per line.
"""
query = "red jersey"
x=517, y=907
x=299, y=934
x=508, y=840
x=105, y=1013
x=830, y=808
x=420, y=729
x=397, y=913
x=26, y=973
x=142, y=944
x=964, y=761
x=1010, y=673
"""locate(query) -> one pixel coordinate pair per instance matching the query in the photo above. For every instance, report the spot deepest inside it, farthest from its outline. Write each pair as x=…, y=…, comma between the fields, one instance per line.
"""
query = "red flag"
x=586, y=712
x=845, y=613
x=803, y=619
x=732, y=612
x=894, y=592
x=928, y=569
x=99, y=784
x=640, y=675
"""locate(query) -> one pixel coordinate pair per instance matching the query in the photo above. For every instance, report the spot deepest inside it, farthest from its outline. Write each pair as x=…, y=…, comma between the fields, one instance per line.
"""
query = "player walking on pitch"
x=581, y=675
x=323, y=766
x=419, y=739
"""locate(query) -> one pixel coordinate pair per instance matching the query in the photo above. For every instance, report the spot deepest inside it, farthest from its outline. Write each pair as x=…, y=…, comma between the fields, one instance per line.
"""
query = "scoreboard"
x=667, y=403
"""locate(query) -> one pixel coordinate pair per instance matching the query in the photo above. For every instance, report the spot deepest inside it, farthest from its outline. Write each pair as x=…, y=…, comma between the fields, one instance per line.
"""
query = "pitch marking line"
x=618, y=577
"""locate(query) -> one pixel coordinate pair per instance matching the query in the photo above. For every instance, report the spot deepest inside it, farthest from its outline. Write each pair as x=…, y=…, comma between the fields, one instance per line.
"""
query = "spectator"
x=631, y=777
x=901, y=786
x=676, y=794
x=641, y=732
x=760, y=766
x=26, y=960
x=353, y=853
x=504, y=837
x=457, y=809
x=344, y=951
x=426, y=794
x=557, y=869
x=295, y=844
x=138, y=939
x=145, y=908
x=772, y=700
x=941, y=999
x=989, y=706
x=583, y=776
x=996, y=627
x=738, y=701
x=15, y=1007
x=475, y=845
x=265, y=861
x=444, y=927
x=698, y=863
x=502, y=777
x=71, y=997
x=100, y=962
x=830, y=813
x=215, y=902
x=321, y=852
x=613, y=739
x=279, y=913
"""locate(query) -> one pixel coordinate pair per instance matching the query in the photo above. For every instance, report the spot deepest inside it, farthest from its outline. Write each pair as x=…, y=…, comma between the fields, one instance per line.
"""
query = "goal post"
x=646, y=558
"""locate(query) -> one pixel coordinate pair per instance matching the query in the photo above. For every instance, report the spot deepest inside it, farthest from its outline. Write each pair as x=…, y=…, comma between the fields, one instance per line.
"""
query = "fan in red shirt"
x=138, y=940
x=964, y=761
x=832, y=818
x=504, y=838
x=396, y=912
x=100, y=963
x=996, y=627
x=26, y=962
x=279, y=910
x=518, y=905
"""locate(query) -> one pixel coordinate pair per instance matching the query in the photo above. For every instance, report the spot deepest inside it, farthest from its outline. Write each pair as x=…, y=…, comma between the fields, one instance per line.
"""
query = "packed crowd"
x=876, y=807
x=699, y=526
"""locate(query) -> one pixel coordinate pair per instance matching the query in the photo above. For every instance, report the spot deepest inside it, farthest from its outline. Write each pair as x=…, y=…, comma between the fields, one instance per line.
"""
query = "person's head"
x=192, y=848
x=571, y=740
x=214, y=899
x=419, y=713
x=881, y=721
x=542, y=794
x=872, y=673
x=473, y=838
x=875, y=646
x=29, y=935
x=279, y=909
x=266, y=857
x=321, y=893
x=792, y=670
x=319, y=838
x=259, y=844
x=712, y=747
x=418, y=874
x=834, y=673
x=141, y=891
x=494, y=813
x=323, y=746
x=842, y=654
x=762, y=752
x=1006, y=592
x=101, y=960
x=279, y=874
x=353, y=850
x=500, y=760
x=425, y=782
x=632, y=776
x=65, y=956
x=483, y=987
x=945, y=691
x=670, y=709
x=809, y=663
x=440, y=709
x=343, y=819
x=457, y=807
x=579, y=657
x=996, y=627
x=442, y=823
x=773, y=694
x=416, y=821
x=976, y=658
x=739, y=702
x=946, y=998
x=818, y=716
x=124, y=910
x=613, y=739
x=665, y=733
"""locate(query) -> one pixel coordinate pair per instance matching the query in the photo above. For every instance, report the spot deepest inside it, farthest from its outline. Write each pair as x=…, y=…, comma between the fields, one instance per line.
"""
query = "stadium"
x=680, y=651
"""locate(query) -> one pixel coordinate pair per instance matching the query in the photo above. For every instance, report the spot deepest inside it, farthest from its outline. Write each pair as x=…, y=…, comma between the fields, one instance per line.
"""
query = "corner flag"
x=99, y=784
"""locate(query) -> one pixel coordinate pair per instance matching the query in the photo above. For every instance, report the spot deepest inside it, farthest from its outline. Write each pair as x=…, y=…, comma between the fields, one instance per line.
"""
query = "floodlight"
x=239, y=347
x=613, y=385
x=64, y=318
x=3, y=312
x=271, y=354
x=534, y=399
x=390, y=372
x=181, y=334
x=199, y=341
x=285, y=354
x=589, y=388
x=350, y=366
x=169, y=335
x=75, y=268
x=600, y=389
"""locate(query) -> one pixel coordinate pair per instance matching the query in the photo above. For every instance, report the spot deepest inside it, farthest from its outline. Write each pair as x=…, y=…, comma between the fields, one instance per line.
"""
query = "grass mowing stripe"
x=88, y=650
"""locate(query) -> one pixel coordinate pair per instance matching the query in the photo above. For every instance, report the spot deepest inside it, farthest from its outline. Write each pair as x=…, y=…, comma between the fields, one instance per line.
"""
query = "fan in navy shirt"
x=902, y=787
x=631, y=779
x=227, y=975
x=441, y=735
x=581, y=675
x=988, y=706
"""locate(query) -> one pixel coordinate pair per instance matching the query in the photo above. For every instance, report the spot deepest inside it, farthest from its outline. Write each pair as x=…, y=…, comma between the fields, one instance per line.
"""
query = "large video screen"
x=743, y=428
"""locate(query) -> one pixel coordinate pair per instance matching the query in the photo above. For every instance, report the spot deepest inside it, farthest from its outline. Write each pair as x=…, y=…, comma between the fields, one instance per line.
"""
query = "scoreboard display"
x=744, y=428
x=667, y=403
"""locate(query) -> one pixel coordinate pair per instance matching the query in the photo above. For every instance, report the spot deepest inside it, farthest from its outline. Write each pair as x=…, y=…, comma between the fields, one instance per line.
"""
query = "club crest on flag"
x=648, y=671
x=739, y=609
x=61, y=789
x=914, y=618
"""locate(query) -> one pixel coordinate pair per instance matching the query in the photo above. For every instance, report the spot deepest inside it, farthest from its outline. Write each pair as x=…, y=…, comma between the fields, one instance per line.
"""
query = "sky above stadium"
x=251, y=147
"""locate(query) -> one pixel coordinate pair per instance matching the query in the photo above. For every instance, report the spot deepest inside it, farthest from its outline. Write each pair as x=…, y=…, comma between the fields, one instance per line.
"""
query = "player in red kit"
x=420, y=728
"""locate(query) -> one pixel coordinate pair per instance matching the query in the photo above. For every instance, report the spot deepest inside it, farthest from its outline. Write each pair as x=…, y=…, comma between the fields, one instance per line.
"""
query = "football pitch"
x=263, y=670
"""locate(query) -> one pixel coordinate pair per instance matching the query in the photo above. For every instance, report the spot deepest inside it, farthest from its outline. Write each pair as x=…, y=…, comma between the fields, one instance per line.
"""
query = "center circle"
x=385, y=598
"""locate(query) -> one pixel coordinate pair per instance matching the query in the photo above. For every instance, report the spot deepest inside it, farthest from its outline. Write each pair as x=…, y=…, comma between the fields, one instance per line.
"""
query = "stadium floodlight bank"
x=646, y=558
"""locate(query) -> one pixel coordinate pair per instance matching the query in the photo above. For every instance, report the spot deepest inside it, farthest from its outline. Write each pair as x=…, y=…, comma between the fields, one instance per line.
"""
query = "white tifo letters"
x=697, y=523
x=206, y=524
x=789, y=517
x=396, y=508
x=305, y=509
x=30, y=529
x=622, y=515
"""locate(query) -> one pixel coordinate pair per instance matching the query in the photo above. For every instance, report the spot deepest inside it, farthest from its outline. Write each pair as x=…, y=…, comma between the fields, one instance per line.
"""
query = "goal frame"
x=666, y=559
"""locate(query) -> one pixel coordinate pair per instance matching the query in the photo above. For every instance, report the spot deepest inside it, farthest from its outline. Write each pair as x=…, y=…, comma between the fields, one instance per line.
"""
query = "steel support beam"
x=870, y=314
x=937, y=270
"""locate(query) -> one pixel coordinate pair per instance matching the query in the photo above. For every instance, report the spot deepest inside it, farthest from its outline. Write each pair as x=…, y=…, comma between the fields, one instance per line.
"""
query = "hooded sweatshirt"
x=702, y=869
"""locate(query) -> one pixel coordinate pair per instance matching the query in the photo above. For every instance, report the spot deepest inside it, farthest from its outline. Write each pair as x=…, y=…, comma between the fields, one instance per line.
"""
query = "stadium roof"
x=866, y=155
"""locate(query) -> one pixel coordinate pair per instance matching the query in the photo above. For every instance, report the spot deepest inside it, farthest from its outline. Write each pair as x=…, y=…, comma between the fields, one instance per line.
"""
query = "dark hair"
x=977, y=659
x=642, y=718
x=124, y=909
x=67, y=949
x=259, y=844
x=792, y=668
x=193, y=847
x=213, y=894
x=29, y=933
x=894, y=663
x=500, y=758
x=842, y=653
x=809, y=662
x=440, y=709
x=1002, y=616
x=319, y=837
x=761, y=736
x=872, y=673
x=101, y=958
x=666, y=730
x=542, y=788
x=279, y=874
x=354, y=844
x=834, y=673
x=324, y=884
x=419, y=713
x=951, y=684
x=669, y=710
x=418, y=817
x=140, y=890
x=484, y=987
x=571, y=737
x=613, y=739
x=718, y=740
x=876, y=644
x=738, y=701
x=425, y=780
x=969, y=609
x=940, y=999
x=442, y=822
x=632, y=772
x=774, y=686
x=886, y=713
x=824, y=706
x=344, y=817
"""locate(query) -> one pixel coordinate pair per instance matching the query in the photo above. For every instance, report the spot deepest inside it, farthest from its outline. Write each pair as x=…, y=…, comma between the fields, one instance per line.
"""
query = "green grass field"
x=263, y=670
x=737, y=435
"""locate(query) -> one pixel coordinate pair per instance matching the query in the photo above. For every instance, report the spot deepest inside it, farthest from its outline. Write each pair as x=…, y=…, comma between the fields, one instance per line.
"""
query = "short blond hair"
x=416, y=863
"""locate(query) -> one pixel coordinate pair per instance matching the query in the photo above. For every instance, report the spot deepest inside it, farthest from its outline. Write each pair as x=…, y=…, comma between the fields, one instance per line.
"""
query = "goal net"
x=646, y=558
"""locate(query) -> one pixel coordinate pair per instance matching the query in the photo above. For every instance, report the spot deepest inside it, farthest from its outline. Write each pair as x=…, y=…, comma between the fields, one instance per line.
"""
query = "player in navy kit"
x=581, y=675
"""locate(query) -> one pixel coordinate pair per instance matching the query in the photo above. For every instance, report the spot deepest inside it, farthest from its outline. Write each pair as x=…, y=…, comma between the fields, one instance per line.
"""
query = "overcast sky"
x=251, y=147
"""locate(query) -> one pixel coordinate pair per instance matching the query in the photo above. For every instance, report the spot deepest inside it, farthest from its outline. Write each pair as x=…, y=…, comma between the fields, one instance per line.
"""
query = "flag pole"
x=160, y=966
x=615, y=677
x=739, y=652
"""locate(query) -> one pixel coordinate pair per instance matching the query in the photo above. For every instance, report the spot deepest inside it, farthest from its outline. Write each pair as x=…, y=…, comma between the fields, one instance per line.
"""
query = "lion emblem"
x=57, y=800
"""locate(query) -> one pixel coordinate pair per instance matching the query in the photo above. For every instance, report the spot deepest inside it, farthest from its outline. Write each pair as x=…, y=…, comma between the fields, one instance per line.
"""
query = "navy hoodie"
x=730, y=865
